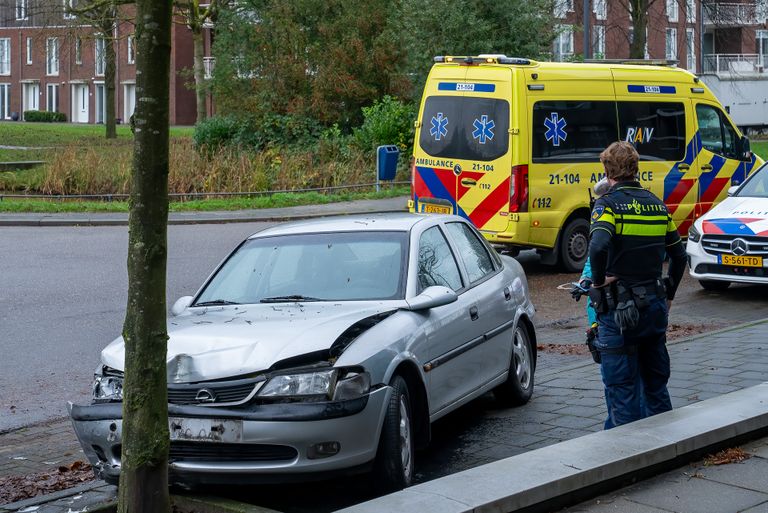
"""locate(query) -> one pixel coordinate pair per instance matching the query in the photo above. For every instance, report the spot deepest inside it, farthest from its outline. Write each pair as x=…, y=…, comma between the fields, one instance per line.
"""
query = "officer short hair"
x=620, y=161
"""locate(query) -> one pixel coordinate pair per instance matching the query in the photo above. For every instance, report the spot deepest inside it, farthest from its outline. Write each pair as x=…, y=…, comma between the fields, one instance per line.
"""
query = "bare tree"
x=146, y=440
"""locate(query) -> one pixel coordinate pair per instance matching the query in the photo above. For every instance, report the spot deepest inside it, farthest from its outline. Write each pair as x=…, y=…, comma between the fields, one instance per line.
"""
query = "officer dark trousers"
x=635, y=365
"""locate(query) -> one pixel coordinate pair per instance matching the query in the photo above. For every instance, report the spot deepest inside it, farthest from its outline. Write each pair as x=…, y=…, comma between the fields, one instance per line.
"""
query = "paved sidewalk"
x=396, y=204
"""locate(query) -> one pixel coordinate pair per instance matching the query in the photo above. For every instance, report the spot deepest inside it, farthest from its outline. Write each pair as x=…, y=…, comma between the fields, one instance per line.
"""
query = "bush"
x=216, y=132
x=388, y=121
x=256, y=132
x=41, y=116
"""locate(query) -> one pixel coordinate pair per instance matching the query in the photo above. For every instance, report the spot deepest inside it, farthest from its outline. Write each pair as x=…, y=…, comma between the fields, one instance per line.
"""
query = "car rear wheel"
x=574, y=245
x=393, y=467
x=714, y=285
x=518, y=387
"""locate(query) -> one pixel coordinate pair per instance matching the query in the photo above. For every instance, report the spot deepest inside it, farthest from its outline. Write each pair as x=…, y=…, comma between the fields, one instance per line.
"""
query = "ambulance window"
x=657, y=129
x=717, y=133
x=465, y=128
x=572, y=131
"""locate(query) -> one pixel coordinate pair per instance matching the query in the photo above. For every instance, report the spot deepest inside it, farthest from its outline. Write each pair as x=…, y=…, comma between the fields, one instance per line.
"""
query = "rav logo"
x=639, y=135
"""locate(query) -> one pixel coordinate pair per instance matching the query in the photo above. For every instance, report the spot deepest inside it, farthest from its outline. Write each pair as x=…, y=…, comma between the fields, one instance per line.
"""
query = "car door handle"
x=473, y=313
x=683, y=165
x=706, y=167
x=507, y=293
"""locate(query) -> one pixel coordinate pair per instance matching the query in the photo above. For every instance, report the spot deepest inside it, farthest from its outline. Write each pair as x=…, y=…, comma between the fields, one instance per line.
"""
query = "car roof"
x=391, y=221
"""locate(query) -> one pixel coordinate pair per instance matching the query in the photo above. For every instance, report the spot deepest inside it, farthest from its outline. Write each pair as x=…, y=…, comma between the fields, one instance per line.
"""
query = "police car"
x=730, y=243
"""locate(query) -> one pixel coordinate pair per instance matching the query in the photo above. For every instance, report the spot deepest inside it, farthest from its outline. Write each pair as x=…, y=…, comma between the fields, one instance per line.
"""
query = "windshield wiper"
x=288, y=299
x=217, y=302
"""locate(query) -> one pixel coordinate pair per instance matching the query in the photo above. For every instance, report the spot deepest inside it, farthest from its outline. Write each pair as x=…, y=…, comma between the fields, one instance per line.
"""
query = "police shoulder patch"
x=597, y=212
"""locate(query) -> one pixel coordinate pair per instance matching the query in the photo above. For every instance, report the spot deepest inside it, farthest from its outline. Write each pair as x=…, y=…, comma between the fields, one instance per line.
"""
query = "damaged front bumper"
x=271, y=442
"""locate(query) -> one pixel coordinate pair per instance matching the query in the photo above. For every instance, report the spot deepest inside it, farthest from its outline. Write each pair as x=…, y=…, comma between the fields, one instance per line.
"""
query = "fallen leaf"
x=733, y=455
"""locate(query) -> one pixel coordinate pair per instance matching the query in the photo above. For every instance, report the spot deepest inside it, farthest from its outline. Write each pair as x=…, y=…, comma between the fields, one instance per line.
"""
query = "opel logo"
x=739, y=247
x=205, y=395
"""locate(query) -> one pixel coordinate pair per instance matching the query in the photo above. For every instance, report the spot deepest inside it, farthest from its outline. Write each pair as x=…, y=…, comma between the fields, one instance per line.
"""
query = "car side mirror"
x=732, y=190
x=432, y=297
x=180, y=305
x=743, y=151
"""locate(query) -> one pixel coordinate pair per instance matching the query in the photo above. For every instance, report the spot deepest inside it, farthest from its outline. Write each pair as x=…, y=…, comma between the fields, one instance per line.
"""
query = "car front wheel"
x=518, y=387
x=393, y=467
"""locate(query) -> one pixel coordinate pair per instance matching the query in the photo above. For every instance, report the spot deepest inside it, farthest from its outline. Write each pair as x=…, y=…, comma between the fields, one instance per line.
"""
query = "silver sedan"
x=329, y=345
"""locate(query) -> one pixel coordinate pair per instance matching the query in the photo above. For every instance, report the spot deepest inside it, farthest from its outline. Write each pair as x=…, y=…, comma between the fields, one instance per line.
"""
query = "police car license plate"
x=741, y=260
x=429, y=208
x=205, y=430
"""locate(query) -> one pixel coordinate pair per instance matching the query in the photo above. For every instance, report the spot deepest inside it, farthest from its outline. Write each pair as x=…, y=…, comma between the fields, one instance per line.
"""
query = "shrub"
x=388, y=121
x=255, y=132
x=41, y=116
x=216, y=132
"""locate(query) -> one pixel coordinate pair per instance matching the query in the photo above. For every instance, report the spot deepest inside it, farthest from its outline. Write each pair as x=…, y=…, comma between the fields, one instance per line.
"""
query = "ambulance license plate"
x=740, y=260
x=205, y=430
x=429, y=208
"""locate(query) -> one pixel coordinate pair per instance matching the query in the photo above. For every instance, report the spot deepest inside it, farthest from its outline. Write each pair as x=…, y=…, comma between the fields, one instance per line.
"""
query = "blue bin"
x=386, y=161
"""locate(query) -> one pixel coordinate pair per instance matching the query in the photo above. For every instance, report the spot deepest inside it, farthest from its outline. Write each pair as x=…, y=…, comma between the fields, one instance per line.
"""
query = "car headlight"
x=335, y=384
x=107, y=386
x=693, y=234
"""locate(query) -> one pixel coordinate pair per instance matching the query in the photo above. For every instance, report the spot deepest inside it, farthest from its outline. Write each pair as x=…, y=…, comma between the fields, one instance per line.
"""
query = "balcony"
x=732, y=14
x=208, y=64
x=735, y=65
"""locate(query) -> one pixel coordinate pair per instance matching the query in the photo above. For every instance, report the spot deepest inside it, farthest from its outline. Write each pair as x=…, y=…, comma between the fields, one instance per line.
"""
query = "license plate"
x=741, y=260
x=429, y=208
x=206, y=430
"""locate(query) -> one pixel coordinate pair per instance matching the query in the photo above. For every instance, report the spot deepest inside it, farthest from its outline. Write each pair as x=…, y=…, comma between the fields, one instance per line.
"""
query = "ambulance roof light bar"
x=483, y=58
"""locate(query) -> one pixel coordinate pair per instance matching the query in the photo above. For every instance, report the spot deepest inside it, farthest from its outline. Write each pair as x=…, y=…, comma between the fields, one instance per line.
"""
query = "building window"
x=69, y=5
x=131, y=51
x=52, y=56
x=601, y=9
x=21, y=10
x=101, y=56
x=29, y=50
x=672, y=10
x=690, y=49
x=5, y=101
x=562, y=8
x=78, y=50
x=52, y=98
x=761, y=40
x=690, y=11
x=564, y=43
x=5, y=56
x=598, y=42
x=671, y=53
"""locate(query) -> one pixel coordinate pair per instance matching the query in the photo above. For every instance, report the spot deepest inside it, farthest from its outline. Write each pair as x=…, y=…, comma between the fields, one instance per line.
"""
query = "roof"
x=395, y=221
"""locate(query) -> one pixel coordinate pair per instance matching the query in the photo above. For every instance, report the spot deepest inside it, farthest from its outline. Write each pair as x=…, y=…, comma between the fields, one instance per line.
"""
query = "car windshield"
x=756, y=186
x=346, y=266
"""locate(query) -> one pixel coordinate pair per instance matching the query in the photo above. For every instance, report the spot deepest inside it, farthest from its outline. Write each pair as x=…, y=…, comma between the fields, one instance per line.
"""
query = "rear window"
x=465, y=128
x=572, y=131
x=657, y=129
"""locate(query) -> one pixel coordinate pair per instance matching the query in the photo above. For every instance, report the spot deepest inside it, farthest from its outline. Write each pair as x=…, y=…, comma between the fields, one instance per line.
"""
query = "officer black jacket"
x=631, y=231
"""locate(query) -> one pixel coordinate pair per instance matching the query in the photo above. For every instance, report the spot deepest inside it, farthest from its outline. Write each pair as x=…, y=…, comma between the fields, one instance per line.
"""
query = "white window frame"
x=78, y=50
x=5, y=56
x=670, y=47
x=598, y=42
x=673, y=11
x=600, y=8
x=761, y=35
x=29, y=50
x=69, y=4
x=564, y=40
x=690, y=11
x=5, y=106
x=51, y=93
x=52, y=56
x=21, y=10
x=562, y=8
x=690, y=49
x=100, y=54
x=131, y=50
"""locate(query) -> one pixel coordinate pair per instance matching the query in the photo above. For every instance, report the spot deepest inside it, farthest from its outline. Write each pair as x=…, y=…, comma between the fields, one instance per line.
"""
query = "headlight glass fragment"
x=300, y=384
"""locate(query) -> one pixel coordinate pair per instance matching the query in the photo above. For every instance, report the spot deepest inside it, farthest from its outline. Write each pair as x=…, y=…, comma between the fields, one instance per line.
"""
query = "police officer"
x=631, y=232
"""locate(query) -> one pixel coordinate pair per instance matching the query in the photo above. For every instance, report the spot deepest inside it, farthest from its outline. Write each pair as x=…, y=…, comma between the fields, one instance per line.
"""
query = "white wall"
x=747, y=99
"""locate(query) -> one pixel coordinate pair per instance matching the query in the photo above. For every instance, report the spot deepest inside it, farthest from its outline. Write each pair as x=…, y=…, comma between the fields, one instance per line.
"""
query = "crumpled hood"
x=737, y=216
x=221, y=342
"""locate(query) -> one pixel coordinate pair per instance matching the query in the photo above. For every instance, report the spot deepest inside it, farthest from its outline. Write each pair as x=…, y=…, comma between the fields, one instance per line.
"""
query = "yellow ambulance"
x=513, y=145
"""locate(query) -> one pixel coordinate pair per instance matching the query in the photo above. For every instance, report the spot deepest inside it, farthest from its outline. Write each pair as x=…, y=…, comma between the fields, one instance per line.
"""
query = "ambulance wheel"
x=574, y=245
x=714, y=285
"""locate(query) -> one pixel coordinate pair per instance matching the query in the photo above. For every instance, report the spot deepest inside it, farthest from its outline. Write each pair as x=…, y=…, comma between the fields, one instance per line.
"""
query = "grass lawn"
x=760, y=148
x=15, y=133
x=206, y=205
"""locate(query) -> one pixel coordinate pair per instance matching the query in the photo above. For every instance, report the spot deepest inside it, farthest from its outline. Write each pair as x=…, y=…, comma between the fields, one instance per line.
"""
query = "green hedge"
x=41, y=116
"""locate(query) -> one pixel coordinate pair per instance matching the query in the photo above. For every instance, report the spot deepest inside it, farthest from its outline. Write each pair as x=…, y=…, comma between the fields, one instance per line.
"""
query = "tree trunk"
x=144, y=476
x=639, y=26
x=110, y=70
x=199, y=71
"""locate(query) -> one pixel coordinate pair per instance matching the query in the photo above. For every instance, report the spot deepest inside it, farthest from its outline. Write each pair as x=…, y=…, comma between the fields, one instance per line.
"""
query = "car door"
x=449, y=328
x=490, y=359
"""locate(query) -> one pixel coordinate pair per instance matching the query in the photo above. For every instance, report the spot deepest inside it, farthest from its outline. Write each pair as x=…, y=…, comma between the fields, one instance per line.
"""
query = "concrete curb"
x=50, y=497
x=571, y=471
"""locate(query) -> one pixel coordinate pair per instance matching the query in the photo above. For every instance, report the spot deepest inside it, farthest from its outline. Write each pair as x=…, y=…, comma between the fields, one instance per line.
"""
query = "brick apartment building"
x=49, y=62
x=726, y=43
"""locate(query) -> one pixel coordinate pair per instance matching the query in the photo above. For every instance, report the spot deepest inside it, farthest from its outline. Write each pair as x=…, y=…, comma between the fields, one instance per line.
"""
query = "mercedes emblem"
x=739, y=247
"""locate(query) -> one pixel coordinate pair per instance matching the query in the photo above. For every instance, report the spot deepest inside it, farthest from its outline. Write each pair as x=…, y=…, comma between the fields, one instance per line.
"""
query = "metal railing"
x=735, y=64
x=208, y=64
x=731, y=14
